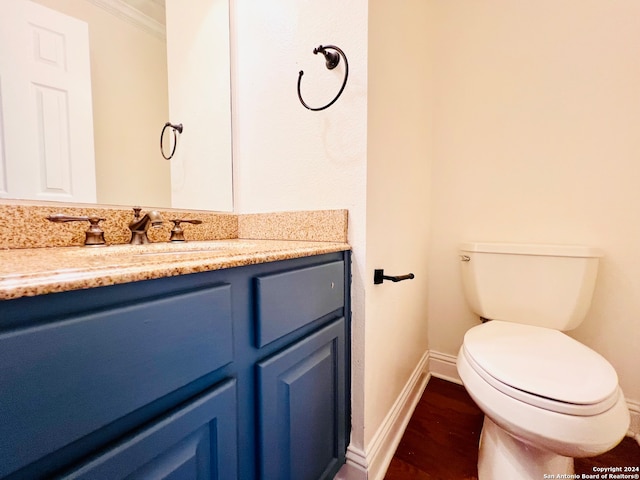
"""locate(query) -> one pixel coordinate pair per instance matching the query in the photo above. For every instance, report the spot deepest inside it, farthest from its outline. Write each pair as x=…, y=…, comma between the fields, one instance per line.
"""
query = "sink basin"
x=181, y=252
x=167, y=248
x=191, y=248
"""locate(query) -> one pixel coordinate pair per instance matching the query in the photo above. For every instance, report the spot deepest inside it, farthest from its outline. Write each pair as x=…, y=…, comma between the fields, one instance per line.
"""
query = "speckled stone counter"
x=38, y=271
x=39, y=257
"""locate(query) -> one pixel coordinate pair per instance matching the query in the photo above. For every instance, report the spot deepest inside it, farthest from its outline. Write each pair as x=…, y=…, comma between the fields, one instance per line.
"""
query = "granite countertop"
x=38, y=271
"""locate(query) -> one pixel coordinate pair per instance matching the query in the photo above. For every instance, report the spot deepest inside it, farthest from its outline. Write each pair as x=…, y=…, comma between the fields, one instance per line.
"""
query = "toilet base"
x=504, y=456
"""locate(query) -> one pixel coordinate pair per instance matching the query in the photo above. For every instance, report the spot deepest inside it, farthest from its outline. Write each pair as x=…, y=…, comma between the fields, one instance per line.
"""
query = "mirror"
x=131, y=104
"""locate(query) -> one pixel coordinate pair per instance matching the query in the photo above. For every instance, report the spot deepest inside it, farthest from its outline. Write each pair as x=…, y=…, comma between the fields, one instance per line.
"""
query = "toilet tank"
x=545, y=285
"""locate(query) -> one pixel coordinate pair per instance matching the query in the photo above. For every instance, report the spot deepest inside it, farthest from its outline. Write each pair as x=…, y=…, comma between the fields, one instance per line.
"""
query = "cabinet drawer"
x=61, y=381
x=289, y=300
x=197, y=442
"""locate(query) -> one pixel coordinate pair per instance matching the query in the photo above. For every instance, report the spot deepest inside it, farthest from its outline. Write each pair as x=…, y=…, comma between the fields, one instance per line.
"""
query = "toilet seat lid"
x=543, y=363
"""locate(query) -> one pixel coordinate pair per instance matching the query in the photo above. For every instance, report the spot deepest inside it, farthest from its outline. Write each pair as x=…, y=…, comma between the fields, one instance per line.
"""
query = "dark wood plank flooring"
x=441, y=440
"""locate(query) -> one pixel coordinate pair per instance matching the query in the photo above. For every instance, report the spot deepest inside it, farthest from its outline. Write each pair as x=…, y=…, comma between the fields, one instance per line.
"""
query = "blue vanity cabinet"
x=181, y=377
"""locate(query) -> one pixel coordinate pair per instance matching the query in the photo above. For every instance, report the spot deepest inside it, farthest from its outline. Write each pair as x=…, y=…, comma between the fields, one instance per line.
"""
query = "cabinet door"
x=195, y=442
x=303, y=406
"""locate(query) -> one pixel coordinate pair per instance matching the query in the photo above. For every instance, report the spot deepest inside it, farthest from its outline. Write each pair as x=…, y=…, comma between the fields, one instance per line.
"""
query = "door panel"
x=197, y=442
x=46, y=126
x=302, y=402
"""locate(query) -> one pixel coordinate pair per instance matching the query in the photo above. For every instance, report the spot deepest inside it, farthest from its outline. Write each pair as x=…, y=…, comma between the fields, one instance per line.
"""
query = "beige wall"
x=537, y=139
x=399, y=146
x=130, y=106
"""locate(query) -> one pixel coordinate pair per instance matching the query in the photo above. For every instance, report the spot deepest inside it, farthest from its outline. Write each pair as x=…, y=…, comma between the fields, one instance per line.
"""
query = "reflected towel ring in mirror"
x=332, y=60
x=175, y=128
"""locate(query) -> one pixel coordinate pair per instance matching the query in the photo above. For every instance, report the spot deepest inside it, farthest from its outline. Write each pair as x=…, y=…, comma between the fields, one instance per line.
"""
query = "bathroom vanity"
x=229, y=365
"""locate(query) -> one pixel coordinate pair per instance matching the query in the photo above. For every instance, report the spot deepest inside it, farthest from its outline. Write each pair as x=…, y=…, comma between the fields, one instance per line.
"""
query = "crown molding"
x=133, y=16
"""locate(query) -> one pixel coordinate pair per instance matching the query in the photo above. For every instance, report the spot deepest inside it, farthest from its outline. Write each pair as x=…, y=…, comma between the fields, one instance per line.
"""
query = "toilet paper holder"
x=379, y=277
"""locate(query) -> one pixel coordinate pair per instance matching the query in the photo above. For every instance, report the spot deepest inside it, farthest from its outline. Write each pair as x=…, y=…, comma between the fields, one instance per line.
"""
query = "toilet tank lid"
x=531, y=249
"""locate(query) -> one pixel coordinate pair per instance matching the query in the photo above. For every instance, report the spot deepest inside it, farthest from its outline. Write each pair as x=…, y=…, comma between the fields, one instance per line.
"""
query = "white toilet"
x=546, y=397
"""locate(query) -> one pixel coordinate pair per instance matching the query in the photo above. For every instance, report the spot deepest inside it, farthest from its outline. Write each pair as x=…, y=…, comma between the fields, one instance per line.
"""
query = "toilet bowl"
x=546, y=397
x=533, y=422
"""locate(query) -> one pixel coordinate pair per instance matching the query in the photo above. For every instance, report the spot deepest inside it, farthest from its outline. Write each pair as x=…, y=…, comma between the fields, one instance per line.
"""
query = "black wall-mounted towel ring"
x=332, y=60
x=175, y=128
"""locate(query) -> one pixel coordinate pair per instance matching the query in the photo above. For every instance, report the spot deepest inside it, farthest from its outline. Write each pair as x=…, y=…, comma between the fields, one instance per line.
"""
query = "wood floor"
x=441, y=440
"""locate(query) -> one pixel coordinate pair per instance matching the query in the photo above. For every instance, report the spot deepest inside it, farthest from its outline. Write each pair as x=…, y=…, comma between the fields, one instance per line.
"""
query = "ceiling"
x=153, y=9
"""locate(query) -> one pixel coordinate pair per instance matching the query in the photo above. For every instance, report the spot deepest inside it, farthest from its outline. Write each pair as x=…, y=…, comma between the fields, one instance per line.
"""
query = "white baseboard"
x=443, y=365
x=356, y=466
x=373, y=464
x=634, y=427
x=351, y=470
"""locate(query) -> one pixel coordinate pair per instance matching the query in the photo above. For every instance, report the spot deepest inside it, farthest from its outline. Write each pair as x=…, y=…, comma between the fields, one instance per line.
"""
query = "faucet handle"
x=177, y=234
x=94, y=236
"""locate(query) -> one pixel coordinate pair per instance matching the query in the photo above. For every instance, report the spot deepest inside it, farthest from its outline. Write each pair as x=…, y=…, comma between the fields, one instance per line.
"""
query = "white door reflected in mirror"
x=46, y=121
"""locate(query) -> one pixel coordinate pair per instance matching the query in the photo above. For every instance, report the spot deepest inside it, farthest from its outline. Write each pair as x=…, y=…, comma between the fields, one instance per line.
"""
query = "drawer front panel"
x=64, y=380
x=287, y=301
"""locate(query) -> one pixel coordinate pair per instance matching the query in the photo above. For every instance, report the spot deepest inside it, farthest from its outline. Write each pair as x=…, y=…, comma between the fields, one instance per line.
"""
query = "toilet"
x=546, y=397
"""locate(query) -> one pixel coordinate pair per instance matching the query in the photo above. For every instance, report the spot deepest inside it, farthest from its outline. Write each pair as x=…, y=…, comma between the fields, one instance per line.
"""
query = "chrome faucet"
x=140, y=225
